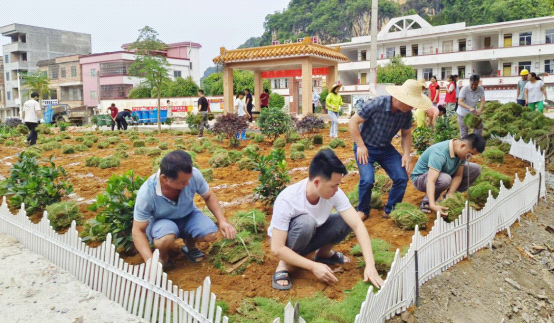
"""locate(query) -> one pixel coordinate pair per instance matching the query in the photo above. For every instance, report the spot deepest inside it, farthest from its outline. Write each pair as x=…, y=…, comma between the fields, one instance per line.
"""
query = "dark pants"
x=203, y=124
x=391, y=161
x=521, y=102
x=444, y=180
x=249, y=109
x=313, y=107
x=304, y=237
x=263, y=106
x=121, y=123
x=32, y=138
x=113, y=124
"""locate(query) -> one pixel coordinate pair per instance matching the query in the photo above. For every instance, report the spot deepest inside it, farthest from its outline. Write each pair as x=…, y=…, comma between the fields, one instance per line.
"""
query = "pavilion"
x=303, y=58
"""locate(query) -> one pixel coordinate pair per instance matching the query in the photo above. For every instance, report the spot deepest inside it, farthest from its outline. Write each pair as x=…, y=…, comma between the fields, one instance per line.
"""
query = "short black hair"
x=175, y=162
x=325, y=163
x=201, y=91
x=113, y=104
x=474, y=78
x=248, y=90
x=475, y=141
x=34, y=94
x=441, y=108
x=266, y=90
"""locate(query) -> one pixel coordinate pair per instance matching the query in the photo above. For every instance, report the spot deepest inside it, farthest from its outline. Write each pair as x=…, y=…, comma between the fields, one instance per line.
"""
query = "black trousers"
x=113, y=124
x=249, y=109
x=121, y=123
x=32, y=138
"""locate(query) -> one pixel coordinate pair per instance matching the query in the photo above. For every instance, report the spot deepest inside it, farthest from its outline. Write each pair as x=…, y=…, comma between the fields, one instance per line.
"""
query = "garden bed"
x=234, y=188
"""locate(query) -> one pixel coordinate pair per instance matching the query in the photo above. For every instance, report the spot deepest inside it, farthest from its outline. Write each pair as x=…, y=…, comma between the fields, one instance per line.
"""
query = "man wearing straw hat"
x=373, y=128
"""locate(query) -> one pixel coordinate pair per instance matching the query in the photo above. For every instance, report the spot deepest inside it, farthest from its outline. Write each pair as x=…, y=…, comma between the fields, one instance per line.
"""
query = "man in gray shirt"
x=521, y=87
x=467, y=102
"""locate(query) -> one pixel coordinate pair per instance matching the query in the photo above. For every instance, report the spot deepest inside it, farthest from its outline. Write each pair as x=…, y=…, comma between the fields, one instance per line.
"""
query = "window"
x=549, y=65
x=63, y=71
x=462, y=72
x=286, y=83
x=403, y=51
x=462, y=45
x=390, y=52
x=44, y=73
x=7, y=76
x=176, y=73
x=114, y=68
x=93, y=94
x=446, y=72
x=276, y=84
x=6, y=59
x=23, y=38
x=523, y=65
x=93, y=72
x=549, y=34
x=73, y=71
x=190, y=65
x=75, y=94
x=118, y=91
x=54, y=70
x=414, y=50
x=524, y=39
x=8, y=95
x=24, y=57
x=427, y=73
x=363, y=55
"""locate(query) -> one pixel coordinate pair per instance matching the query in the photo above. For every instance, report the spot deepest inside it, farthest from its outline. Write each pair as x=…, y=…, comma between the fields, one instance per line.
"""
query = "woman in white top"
x=535, y=92
x=240, y=109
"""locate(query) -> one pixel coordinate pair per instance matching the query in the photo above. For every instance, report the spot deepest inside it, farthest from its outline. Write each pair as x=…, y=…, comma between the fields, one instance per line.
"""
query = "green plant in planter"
x=114, y=209
x=61, y=214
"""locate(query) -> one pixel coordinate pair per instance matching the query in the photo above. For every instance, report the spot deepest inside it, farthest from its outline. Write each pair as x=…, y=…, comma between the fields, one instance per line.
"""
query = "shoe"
x=194, y=255
x=336, y=258
x=281, y=275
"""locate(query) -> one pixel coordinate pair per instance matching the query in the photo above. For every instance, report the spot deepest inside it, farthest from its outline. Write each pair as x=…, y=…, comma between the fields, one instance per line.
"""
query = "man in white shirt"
x=32, y=113
x=302, y=223
x=315, y=100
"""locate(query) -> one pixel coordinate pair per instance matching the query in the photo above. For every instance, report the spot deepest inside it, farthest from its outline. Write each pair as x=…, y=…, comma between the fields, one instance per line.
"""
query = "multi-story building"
x=2, y=95
x=66, y=82
x=29, y=45
x=496, y=51
x=106, y=76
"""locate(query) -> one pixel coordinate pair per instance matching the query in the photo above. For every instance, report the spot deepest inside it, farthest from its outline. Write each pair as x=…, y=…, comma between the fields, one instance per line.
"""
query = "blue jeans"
x=334, y=132
x=391, y=161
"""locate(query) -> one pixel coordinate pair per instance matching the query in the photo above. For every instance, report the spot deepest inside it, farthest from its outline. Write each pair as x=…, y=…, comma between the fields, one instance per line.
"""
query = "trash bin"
x=153, y=116
x=103, y=119
x=143, y=116
x=163, y=116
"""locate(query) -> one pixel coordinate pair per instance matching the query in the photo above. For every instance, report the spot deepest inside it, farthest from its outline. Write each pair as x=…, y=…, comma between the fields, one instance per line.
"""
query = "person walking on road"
x=240, y=108
x=32, y=113
x=203, y=109
x=249, y=104
x=315, y=100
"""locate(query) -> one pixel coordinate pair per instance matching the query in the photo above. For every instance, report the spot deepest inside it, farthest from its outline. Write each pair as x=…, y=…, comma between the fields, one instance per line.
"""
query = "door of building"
x=508, y=40
x=487, y=42
x=462, y=72
x=447, y=46
x=363, y=78
x=507, y=69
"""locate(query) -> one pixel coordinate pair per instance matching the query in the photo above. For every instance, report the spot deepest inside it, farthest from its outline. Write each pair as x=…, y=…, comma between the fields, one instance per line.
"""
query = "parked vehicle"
x=54, y=113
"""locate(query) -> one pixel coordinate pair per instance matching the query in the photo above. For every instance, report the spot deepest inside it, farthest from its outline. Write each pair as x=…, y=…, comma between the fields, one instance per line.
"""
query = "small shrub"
x=250, y=149
x=335, y=143
x=103, y=144
x=140, y=151
x=197, y=149
x=297, y=147
x=61, y=214
x=139, y=143
x=68, y=149
x=163, y=146
x=81, y=147
x=179, y=141
x=246, y=163
x=258, y=138
x=309, y=123
x=273, y=177
x=121, y=154
x=208, y=174
x=445, y=130
x=9, y=143
x=318, y=140
x=220, y=159
x=234, y=156
x=494, y=156
x=292, y=137
x=109, y=162
x=114, y=139
x=407, y=216
x=88, y=143
x=273, y=122
x=51, y=146
x=79, y=139
x=154, y=152
x=230, y=124
x=93, y=161
x=279, y=143
x=297, y=155
x=422, y=138
x=92, y=138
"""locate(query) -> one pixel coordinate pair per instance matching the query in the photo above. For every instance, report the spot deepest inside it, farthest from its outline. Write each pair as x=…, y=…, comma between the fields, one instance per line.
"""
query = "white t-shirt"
x=292, y=202
x=30, y=108
x=535, y=93
x=240, y=107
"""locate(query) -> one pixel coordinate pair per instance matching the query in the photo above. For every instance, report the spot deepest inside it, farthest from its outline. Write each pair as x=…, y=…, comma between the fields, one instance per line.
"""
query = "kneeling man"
x=165, y=210
x=302, y=223
x=442, y=166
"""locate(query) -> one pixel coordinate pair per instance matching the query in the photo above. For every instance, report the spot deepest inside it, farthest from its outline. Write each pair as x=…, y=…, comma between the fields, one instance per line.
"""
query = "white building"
x=497, y=52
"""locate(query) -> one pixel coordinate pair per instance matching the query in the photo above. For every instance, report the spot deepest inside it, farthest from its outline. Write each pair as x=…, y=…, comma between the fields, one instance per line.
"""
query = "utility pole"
x=20, y=96
x=373, y=50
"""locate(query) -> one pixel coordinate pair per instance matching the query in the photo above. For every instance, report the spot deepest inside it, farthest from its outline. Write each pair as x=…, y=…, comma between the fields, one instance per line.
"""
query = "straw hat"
x=335, y=86
x=423, y=83
x=410, y=93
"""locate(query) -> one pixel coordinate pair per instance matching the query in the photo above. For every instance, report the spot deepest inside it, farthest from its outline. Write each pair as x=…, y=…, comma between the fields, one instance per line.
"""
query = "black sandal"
x=281, y=275
x=424, y=207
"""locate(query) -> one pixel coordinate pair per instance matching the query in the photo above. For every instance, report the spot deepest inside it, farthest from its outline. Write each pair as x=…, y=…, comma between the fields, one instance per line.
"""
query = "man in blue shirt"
x=373, y=128
x=165, y=210
x=441, y=167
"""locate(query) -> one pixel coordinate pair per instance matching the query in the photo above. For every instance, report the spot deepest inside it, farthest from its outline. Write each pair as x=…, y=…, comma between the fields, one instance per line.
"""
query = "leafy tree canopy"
x=213, y=84
x=36, y=82
x=395, y=72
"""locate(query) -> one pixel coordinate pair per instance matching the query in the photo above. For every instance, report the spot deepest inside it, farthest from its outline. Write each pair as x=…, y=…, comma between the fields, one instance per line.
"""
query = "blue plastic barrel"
x=48, y=113
x=163, y=116
x=153, y=116
x=143, y=116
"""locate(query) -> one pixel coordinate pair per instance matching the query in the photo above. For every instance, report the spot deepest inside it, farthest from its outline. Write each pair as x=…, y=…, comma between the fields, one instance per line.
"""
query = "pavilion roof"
x=304, y=48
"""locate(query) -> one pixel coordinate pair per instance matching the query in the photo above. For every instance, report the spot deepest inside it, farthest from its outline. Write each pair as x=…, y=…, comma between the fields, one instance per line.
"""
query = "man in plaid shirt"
x=372, y=128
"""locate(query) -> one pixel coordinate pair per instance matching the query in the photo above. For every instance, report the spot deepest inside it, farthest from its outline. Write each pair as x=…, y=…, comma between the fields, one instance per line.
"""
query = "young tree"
x=180, y=88
x=36, y=82
x=149, y=64
x=395, y=72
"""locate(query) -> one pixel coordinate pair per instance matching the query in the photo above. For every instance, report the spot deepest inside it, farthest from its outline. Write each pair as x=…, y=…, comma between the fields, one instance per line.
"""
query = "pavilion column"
x=258, y=89
x=228, y=89
x=333, y=76
x=306, y=86
x=293, y=95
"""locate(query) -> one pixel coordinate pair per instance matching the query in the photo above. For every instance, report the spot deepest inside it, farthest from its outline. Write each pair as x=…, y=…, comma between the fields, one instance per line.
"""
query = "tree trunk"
x=159, y=112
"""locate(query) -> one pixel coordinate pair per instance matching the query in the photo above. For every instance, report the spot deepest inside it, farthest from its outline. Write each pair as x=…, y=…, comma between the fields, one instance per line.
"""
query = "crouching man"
x=442, y=166
x=165, y=210
x=302, y=223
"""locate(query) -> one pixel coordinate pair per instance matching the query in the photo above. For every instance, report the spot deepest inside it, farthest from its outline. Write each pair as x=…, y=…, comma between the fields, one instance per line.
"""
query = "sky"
x=211, y=23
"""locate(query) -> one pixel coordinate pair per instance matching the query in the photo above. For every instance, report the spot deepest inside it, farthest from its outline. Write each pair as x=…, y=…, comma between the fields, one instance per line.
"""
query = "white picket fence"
x=447, y=243
x=142, y=290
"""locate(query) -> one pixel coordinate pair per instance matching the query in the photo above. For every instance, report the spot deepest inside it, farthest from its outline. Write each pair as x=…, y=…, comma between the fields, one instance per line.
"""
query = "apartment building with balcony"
x=28, y=46
x=496, y=51
x=66, y=82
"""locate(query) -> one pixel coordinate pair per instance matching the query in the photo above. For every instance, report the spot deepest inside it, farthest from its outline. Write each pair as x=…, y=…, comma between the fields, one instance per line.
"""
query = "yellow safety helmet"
x=524, y=72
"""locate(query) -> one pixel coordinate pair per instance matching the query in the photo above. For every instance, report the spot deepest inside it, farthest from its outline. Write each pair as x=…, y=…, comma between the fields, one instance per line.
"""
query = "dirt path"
x=500, y=285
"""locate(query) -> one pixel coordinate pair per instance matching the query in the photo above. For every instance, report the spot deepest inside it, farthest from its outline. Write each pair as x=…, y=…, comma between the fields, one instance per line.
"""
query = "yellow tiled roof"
x=305, y=48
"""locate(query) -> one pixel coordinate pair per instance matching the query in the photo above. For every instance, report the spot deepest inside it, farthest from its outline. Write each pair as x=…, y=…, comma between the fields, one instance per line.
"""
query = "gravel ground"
x=32, y=289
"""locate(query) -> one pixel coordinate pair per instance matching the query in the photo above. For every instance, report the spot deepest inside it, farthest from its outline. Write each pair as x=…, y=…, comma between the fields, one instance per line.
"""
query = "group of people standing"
x=531, y=91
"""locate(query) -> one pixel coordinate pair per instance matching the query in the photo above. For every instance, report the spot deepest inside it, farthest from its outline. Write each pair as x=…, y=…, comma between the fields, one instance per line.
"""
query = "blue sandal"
x=336, y=258
x=194, y=255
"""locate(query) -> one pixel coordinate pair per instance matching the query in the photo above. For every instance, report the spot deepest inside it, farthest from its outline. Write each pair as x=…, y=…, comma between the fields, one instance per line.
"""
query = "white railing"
x=143, y=290
x=448, y=243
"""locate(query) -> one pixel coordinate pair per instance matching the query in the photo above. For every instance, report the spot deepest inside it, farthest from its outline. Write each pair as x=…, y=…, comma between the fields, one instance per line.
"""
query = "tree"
x=148, y=64
x=276, y=101
x=213, y=84
x=141, y=91
x=36, y=82
x=180, y=87
x=395, y=72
